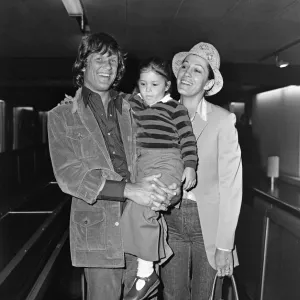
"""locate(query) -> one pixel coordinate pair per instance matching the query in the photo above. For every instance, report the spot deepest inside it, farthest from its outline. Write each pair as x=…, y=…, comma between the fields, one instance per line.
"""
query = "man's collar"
x=87, y=93
x=118, y=100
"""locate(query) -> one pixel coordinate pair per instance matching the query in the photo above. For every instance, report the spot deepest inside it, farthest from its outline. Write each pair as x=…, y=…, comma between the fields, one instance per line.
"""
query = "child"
x=166, y=145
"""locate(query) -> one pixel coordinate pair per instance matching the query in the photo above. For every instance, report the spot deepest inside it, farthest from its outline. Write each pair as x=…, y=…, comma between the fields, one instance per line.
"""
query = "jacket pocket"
x=83, y=142
x=77, y=133
x=89, y=230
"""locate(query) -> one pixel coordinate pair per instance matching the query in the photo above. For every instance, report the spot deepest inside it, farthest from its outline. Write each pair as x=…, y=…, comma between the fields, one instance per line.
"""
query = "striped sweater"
x=166, y=124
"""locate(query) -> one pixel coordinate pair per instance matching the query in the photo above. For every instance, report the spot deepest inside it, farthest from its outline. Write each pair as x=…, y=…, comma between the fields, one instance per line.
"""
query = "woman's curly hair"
x=97, y=43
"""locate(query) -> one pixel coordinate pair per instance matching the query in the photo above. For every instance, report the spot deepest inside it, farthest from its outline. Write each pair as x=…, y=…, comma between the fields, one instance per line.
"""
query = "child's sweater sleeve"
x=188, y=143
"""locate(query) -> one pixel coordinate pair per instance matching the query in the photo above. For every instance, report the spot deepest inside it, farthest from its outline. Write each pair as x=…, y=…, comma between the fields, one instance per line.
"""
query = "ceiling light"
x=281, y=63
x=75, y=10
x=73, y=7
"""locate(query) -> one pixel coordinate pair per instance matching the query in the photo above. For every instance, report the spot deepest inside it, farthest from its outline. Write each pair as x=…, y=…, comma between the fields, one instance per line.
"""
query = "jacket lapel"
x=90, y=122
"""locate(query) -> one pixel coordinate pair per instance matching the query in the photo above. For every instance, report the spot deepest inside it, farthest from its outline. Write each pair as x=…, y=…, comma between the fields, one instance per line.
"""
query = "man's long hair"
x=97, y=43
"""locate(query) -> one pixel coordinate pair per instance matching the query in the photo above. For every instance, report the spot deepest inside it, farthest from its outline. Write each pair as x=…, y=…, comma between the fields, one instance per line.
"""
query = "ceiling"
x=244, y=31
x=38, y=40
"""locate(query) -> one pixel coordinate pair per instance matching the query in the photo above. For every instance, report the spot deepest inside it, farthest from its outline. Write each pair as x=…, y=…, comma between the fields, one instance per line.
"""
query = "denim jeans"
x=110, y=284
x=188, y=274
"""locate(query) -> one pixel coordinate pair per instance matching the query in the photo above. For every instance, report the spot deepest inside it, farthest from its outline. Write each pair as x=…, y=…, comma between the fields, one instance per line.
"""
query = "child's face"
x=152, y=86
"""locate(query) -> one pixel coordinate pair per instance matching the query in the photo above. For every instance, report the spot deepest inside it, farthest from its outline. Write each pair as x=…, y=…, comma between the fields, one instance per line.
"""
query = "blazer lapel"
x=199, y=124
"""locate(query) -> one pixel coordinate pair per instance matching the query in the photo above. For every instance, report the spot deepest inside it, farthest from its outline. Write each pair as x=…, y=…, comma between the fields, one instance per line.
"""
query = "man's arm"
x=76, y=179
x=149, y=192
x=112, y=190
x=72, y=173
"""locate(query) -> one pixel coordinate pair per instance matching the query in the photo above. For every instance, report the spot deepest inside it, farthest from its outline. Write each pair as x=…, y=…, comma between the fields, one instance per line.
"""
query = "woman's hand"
x=224, y=262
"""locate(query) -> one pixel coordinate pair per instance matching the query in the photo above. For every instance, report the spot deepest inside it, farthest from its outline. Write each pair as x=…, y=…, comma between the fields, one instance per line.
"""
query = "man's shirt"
x=109, y=125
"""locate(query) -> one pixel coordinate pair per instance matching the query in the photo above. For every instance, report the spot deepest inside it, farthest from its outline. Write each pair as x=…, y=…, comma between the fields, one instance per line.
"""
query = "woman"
x=201, y=231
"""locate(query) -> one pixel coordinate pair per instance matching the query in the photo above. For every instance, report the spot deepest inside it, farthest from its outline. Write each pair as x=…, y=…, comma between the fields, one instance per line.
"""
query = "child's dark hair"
x=158, y=65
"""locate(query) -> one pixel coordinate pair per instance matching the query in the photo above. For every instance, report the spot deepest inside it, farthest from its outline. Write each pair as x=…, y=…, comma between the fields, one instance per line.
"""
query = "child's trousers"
x=144, y=231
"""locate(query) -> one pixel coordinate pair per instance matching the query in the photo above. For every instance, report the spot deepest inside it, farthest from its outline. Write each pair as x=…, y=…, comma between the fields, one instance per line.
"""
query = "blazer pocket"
x=89, y=230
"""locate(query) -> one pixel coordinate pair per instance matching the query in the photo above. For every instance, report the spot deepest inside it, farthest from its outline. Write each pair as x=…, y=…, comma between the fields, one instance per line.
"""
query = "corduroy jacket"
x=81, y=165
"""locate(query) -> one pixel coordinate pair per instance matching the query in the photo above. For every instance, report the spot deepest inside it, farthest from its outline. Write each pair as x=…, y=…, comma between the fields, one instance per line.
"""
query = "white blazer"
x=219, y=178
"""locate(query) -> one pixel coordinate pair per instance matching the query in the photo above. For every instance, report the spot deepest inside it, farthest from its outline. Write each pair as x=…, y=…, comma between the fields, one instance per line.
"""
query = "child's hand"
x=189, y=178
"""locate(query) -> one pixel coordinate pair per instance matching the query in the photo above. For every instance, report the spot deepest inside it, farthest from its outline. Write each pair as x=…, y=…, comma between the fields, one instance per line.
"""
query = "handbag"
x=233, y=287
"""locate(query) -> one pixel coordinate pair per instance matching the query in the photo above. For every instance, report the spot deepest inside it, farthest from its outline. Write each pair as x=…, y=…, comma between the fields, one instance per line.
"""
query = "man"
x=92, y=152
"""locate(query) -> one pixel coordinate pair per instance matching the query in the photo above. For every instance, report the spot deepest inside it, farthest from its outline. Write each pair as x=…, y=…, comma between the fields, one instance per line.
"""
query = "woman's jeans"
x=188, y=274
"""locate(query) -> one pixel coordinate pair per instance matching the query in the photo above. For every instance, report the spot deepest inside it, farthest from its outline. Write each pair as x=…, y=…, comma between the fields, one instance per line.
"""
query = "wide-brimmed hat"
x=211, y=55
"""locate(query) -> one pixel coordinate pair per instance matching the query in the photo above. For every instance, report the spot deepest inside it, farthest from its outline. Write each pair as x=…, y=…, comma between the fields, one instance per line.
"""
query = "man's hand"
x=149, y=192
x=178, y=196
x=224, y=262
x=173, y=191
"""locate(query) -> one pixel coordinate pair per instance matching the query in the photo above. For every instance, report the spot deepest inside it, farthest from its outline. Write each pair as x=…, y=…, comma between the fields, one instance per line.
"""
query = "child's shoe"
x=151, y=283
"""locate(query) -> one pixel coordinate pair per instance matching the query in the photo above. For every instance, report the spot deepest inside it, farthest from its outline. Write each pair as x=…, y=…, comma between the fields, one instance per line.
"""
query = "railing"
x=268, y=240
x=32, y=235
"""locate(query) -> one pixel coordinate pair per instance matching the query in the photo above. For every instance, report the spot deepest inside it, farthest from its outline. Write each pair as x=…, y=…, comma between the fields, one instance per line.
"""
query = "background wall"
x=276, y=128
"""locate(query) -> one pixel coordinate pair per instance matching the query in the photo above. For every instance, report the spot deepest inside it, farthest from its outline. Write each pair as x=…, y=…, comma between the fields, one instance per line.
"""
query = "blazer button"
x=117, y=223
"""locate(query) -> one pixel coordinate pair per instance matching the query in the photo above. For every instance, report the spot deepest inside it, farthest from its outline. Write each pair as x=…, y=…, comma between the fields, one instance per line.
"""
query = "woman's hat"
x=211, y=55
